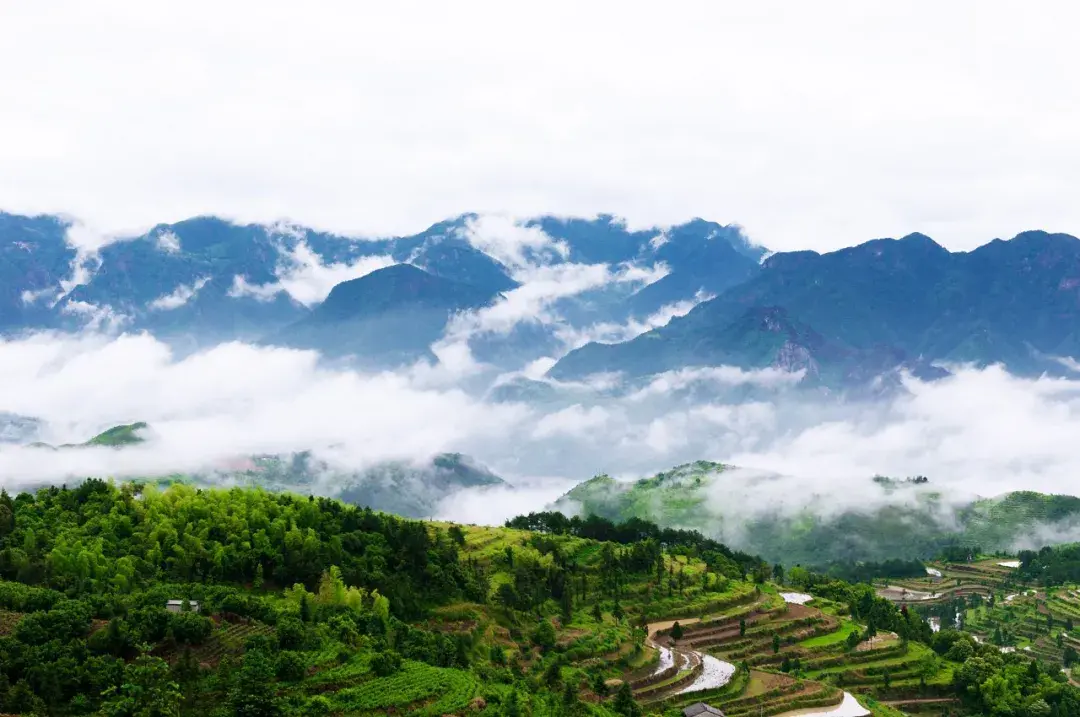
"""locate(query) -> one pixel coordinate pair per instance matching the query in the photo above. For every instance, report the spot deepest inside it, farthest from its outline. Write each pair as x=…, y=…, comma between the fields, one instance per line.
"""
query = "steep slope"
x=705, y=258
x=760, y=337
x=1014, y=302
x=389, y=316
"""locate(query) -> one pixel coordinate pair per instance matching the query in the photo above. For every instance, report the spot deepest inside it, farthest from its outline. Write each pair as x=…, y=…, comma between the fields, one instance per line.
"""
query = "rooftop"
x=700, y=708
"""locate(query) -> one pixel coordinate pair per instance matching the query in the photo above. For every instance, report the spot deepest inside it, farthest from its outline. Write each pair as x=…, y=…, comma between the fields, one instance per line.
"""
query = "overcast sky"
x=814, y=125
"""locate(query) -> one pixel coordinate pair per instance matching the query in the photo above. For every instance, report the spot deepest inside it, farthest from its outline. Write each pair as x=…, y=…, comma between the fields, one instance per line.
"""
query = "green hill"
x=910, y=519
x=125, y=435
x=115, y=437
x=301, y=606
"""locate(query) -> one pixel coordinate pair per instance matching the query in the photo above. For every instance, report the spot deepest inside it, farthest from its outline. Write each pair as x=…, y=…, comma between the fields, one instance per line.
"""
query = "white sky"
x=812, y=124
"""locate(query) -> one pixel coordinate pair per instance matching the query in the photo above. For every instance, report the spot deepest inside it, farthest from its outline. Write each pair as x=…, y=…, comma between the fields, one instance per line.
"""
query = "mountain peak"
x=919, y=239
x=1038, y=236
x=397, y=286
x=389, y=316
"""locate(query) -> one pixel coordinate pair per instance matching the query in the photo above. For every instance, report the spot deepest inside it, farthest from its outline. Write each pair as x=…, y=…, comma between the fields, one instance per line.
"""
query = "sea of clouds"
x=979, y=432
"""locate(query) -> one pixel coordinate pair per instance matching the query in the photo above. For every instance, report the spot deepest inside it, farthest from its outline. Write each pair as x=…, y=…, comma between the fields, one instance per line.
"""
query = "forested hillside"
x=134, y=600
x=304, y=605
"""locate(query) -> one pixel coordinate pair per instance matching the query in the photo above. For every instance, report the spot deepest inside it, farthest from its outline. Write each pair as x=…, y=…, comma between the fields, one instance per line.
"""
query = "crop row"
x=415, y=682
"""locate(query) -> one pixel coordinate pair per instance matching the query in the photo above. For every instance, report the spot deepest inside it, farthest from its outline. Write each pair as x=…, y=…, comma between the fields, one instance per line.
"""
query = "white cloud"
x=542, y=286
x=671, y=381
x=168, y=242
x=495, y=505
x=232, y=400
x=32, y=297
x=534, y=301
x=978, y=432
x=183, y=294
x=814, y=125
x=94, y=317
x=610, y=333
x=306, y=279
x=1069, y=363
x=536, y=369
x=86, y=241
x=263, y=292
x=574, y=420
x=510, y=242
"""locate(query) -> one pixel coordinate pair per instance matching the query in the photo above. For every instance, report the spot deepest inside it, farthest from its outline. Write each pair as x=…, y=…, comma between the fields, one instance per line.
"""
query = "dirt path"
x=655, y=627
x=921, y=701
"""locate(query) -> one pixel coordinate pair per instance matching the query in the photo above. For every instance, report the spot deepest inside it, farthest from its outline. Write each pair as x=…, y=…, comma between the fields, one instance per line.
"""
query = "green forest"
x=143, y=600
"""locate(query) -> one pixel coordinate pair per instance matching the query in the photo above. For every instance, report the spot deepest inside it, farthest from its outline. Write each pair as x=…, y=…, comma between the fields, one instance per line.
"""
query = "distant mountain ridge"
x=850, y=314
x=845, y=318
x=206, y=280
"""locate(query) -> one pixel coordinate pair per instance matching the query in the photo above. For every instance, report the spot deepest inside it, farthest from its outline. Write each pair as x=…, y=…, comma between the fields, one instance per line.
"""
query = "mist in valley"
x=483, y=392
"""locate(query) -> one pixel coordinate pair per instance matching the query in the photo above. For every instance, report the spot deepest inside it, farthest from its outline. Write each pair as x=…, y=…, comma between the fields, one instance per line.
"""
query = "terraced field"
x=417, y=689
x=786, y=658
x=229, y=638
x=1039, y=624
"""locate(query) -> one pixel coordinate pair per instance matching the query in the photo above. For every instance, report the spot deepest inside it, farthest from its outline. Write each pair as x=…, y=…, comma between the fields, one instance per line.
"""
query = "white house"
x=178, y=605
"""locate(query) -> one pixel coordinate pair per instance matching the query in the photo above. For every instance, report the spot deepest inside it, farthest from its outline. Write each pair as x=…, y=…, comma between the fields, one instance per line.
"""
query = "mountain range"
x=847, y=315
x=844, y=318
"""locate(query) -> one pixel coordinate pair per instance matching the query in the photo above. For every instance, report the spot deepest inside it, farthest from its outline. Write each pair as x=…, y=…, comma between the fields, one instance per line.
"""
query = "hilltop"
x=129, y=434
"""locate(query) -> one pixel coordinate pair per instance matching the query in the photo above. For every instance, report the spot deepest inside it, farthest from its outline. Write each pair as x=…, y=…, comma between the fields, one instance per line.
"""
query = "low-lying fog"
x=980, y=432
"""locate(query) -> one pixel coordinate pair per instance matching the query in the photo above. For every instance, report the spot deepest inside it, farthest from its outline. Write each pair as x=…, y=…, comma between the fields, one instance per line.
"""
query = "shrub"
x=290, y=666
x=386, y=663
x=189, y=628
